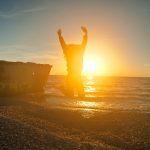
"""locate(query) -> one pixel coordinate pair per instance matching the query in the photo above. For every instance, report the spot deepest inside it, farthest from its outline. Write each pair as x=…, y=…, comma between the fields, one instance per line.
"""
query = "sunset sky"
x=119, y=34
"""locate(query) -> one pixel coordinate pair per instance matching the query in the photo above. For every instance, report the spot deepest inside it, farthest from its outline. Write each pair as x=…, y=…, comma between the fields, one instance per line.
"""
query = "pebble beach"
x=28, y=122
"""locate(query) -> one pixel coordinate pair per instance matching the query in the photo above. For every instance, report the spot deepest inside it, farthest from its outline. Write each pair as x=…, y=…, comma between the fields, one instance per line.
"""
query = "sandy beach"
x=28, y=122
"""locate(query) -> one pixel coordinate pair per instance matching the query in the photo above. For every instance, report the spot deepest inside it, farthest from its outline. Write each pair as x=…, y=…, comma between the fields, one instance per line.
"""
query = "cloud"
x=2, y=47
x=7, y=15
x=25, y=53
x=147, y=65
x=20, y=12
x=33, y=10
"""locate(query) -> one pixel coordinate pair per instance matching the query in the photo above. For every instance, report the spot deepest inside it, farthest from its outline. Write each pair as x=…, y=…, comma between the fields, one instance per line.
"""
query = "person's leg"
x=70, y=88
x=80, y=87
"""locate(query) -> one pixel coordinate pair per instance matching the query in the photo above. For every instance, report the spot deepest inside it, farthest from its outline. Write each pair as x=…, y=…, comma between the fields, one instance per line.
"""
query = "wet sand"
x=28, y=122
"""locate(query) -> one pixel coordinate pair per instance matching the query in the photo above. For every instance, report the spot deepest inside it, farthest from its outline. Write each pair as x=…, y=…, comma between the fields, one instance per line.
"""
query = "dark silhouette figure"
x=74, y=57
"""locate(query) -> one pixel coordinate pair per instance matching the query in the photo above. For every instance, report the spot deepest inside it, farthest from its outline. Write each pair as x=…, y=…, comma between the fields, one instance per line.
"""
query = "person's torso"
x=74, y=57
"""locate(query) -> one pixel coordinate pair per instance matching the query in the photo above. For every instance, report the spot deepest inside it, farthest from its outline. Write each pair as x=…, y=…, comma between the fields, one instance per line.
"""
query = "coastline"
x=29, y=122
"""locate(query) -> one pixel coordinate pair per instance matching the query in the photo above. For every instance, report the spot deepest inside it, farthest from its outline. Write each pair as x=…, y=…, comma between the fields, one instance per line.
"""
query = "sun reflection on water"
x=88, y=109
x=85, y=104
x=89, y=88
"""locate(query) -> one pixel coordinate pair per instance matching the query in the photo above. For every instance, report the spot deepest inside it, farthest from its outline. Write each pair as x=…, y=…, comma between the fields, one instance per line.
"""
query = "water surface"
x=103, y=94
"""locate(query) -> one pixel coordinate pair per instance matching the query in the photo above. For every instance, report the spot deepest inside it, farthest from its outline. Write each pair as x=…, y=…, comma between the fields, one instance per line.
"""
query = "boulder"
x=19, y=77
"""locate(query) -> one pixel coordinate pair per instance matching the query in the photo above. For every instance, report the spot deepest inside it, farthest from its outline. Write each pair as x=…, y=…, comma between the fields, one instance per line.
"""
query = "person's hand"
x=84, y=29
x=59, y=32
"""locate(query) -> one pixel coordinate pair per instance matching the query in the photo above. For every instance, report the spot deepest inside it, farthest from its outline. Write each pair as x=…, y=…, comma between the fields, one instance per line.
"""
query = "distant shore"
x=28, y=122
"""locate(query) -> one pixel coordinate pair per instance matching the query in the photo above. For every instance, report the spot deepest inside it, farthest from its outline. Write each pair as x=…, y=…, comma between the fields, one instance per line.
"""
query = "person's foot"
x=81, y=96
x=66, y=92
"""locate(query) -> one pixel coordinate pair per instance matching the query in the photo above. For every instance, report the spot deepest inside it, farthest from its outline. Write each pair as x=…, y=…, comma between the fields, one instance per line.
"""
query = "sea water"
x=102, y=94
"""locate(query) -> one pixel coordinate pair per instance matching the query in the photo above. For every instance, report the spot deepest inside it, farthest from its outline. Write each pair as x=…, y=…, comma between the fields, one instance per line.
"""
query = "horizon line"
x=104, y=76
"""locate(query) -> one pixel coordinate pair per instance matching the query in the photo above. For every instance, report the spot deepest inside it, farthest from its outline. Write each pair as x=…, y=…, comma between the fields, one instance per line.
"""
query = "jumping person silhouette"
x=74, y=57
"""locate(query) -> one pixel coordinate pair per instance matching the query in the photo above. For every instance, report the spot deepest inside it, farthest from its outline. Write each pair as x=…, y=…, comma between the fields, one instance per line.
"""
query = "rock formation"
x=19, y=77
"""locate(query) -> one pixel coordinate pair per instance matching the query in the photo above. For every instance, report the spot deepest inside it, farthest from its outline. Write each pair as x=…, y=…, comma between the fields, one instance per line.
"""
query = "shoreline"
x=30, y=123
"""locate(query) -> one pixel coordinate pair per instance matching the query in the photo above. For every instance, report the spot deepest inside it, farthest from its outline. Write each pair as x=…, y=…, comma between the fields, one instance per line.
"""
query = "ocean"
x=102, y=94
x=114, y=115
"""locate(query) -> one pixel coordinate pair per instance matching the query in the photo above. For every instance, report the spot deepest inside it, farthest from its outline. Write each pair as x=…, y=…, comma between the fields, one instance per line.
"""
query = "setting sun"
x=89, y=67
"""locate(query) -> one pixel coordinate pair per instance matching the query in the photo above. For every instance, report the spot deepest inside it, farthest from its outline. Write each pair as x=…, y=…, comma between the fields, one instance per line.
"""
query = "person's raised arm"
x=85, y=37
x=61, y=40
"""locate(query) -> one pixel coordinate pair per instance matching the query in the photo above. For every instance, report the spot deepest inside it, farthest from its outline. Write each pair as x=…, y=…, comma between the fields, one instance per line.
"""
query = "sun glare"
x=89, y=67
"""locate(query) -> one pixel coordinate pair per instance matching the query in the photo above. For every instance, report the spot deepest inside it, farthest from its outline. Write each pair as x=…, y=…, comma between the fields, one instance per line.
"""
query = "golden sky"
x=119, y=34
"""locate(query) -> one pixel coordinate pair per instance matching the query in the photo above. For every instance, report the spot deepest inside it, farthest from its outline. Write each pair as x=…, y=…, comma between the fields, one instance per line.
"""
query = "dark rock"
x=19, y=77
